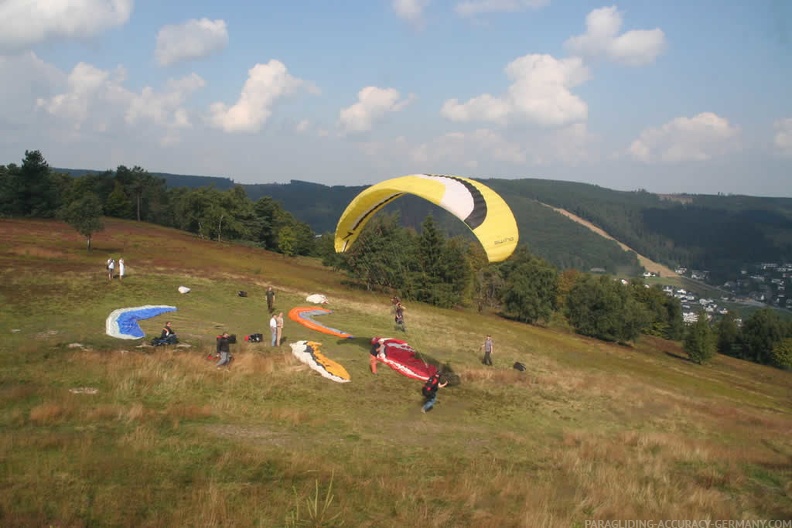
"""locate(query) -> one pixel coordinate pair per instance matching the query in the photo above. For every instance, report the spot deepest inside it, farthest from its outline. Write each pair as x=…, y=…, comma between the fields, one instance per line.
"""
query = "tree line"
x=422, y=265
x=33, y=190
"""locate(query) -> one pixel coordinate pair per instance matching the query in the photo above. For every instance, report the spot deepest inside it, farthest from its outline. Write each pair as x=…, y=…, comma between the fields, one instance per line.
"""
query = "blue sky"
x=668, y=96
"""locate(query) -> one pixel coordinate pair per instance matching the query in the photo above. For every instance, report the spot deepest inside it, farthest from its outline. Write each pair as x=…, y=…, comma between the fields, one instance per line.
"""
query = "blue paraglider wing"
x=123, y=323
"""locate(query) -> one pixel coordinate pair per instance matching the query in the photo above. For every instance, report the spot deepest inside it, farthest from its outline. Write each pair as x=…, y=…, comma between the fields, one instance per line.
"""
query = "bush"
x=782, y=354
x=700, y=343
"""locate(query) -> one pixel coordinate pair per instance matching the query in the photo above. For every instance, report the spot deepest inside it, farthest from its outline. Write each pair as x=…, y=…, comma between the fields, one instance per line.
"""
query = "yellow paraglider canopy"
x=481, y=208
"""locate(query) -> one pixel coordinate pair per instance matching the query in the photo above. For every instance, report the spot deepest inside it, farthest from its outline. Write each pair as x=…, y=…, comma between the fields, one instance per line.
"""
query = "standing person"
x=223, y=350
x=273, y=328
x=399, y=318
x=270, y=299
x=279, y=328
x=487, y=348
x=121, y=269
x=110, y=268
x=429, y=391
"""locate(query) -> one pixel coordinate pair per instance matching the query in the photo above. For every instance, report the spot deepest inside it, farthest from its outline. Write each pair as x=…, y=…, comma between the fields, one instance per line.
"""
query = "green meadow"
x=97, y=431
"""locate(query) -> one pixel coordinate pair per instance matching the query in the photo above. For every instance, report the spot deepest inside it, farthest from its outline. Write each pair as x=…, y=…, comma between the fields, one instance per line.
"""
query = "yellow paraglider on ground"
x=481, y=208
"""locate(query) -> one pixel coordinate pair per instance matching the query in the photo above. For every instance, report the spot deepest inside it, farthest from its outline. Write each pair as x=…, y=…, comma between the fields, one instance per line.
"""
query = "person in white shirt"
x=274, y=328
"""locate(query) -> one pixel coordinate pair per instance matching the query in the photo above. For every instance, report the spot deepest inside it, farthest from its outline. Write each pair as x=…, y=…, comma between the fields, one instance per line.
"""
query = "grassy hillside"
x=590, y=431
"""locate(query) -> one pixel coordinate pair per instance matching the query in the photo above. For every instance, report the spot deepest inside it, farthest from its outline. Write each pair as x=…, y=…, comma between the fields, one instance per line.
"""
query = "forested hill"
x=718, y=233
x=564, y=243
x=172, y=180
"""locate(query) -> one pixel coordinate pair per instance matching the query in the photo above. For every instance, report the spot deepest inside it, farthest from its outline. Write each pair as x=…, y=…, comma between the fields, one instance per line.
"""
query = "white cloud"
x=480, y=148
x=25, y=78
x=266, y=83
x=96, y=100
x=191, y=40
x=601, y=39
x=469, y=149
x=87, y=86
x=470, y=8
x=571, y=146
x=165, y=108
x=25, y=23
x=697, y=138
x=373, y=103
x=539, y=94
x=410, y=10
x=486, y=150
x=783, y=136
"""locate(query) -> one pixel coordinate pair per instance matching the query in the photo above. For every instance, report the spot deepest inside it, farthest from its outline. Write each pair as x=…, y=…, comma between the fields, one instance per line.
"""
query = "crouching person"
x=223, y=349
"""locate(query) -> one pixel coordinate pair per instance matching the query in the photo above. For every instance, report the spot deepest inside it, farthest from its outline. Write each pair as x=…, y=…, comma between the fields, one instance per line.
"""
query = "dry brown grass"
x=50, y=413
x=590, y=431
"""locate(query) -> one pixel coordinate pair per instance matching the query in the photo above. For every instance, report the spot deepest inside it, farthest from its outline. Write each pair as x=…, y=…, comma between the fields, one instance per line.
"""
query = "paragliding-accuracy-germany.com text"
x=689, y=523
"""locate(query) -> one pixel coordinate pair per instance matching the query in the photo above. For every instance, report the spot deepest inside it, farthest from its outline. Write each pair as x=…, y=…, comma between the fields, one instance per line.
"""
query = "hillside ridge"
x=648, y=264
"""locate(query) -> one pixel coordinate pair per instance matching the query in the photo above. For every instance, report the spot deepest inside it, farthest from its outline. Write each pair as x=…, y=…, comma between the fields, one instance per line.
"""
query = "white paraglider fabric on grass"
x=308, y=352
x=317, y=298
x=123, y=323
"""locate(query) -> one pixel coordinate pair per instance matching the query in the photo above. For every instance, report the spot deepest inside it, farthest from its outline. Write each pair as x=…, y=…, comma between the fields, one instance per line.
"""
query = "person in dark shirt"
x=429, y=392
x=223, y=350
x=270, y=299
x=487, y=348
x=168, y=334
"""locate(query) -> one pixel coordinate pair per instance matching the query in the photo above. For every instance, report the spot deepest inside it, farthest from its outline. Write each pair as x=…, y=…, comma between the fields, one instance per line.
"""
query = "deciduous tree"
x=85, y=215
x=530, y=291
x=760, y=333
x=728, y=335
x=700, y=340
x=602, y=307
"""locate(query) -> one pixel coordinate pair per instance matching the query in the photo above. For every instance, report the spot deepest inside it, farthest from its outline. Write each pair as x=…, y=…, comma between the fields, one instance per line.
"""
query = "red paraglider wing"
x=403, y=358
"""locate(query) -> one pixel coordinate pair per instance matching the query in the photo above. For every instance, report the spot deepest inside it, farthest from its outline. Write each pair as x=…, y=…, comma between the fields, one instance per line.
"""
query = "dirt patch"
x=649, y=265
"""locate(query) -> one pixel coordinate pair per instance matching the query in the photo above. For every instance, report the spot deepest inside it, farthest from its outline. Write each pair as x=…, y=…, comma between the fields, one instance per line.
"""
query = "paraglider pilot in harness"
x=429, y=391
x=377, y=351
x=167, y=337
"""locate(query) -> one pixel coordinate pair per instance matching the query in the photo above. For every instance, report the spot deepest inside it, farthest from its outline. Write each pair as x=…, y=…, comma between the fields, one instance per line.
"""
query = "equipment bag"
x=519, y=366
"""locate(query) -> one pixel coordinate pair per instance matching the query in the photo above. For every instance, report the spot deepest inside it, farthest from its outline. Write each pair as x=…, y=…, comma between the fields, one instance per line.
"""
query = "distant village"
x=762, y=285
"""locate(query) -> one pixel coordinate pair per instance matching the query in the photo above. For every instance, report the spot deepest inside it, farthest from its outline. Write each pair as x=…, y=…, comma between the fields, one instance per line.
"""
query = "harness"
x=430, y=387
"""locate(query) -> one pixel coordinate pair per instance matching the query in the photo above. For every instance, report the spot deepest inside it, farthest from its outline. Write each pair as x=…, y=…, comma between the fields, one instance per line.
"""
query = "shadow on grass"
x=362, y=342
x=679, y=357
